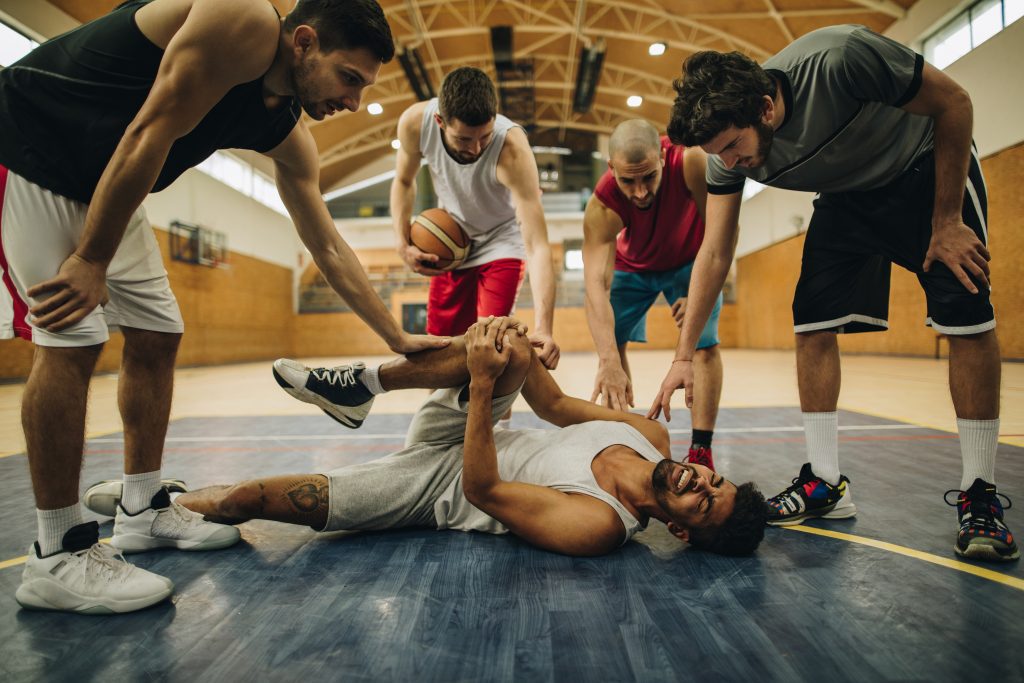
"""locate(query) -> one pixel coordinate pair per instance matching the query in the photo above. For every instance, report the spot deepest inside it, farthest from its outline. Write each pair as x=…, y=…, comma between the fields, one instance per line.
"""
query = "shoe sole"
x=106, y=503
x=845, y=512
x=47, y=596
x=986, y=553
x=302, y=394
x=137, y=543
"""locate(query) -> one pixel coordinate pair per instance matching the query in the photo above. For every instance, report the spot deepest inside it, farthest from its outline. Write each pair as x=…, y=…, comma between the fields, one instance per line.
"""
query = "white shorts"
x=39, y=230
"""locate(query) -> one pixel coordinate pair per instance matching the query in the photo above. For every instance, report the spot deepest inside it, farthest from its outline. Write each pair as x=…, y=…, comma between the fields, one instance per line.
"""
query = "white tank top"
x=472, y=194
x=559, y=459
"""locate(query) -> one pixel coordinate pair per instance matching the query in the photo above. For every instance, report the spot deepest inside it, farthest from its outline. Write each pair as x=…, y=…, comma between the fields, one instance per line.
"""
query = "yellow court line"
x=1010, y=581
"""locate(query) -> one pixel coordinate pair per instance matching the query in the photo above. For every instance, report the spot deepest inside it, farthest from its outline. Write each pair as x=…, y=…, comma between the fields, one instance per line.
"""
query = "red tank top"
x=663, y=237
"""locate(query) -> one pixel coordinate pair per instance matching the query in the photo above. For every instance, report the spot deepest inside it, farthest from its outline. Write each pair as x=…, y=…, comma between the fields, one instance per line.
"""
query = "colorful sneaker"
x=103, y=497
x=983, y=536
x=87, y=577
x=810, y=496
x=337, y=391
x=701, y=455
x=168, y=525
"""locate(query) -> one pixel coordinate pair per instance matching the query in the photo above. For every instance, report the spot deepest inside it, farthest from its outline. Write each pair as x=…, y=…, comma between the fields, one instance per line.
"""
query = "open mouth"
x=685, y=481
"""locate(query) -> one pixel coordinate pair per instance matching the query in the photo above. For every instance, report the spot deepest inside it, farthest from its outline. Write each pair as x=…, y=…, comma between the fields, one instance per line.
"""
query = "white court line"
x=362, y=437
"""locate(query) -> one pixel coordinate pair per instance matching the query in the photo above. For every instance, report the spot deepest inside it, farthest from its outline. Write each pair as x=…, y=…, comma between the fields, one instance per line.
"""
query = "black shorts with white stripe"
x=853, y=239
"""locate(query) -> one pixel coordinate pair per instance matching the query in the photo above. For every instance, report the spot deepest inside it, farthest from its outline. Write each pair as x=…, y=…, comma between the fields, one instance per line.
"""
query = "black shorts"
x=854, y=237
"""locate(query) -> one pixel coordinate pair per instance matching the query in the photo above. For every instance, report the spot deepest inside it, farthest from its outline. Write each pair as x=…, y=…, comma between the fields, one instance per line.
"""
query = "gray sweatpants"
x=399, y=490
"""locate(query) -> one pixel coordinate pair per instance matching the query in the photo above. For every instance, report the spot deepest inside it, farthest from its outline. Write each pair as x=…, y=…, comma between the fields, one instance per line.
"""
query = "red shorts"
x=459, y=297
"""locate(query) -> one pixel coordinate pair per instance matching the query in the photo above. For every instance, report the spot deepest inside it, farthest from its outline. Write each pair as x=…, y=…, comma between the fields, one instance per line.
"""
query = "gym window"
x=13, y=45
x=969, y=29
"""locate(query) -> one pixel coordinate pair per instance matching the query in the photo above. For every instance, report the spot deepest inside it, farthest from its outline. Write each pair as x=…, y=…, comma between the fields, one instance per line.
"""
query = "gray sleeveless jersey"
x=472, y=194
x=559, y=459
x=844, y=131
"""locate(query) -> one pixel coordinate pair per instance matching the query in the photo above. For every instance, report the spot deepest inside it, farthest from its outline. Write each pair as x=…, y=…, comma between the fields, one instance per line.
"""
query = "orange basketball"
x=435, y=232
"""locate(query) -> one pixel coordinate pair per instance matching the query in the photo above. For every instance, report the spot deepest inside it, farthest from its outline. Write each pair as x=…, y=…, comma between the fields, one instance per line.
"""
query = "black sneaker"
x=810, y=496
x=983, y=536
x=336, y=391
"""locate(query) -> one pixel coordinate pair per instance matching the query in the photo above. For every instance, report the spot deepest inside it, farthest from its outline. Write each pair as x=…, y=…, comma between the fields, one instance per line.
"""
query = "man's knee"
x=816, y=340
x=148, y=347
x=708, y=354
x=522, y=353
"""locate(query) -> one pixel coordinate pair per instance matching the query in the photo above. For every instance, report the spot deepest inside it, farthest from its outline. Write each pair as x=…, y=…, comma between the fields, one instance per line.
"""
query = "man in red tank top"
x=642, y=230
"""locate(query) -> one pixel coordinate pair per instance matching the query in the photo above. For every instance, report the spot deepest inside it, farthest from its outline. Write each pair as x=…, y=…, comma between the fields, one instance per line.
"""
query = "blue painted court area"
x=289, y=604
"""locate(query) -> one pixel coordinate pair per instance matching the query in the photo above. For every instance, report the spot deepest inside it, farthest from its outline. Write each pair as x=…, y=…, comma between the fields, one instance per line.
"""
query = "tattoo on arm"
x=307, y=497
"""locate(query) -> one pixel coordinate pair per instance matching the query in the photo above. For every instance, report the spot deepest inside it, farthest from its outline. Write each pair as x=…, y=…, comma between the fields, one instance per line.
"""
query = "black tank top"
x=64, y=108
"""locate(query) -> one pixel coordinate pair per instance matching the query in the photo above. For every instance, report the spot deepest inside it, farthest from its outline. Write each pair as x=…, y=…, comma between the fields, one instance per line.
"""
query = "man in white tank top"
x=485, y=177
x=582, y=490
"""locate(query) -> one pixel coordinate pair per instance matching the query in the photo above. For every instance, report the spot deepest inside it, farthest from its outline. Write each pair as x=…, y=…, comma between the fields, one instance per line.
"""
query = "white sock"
x=821, y=430
x=978, y=441
x=53, y=524
x=371, y=380
x=505, y=423
x=139, y=490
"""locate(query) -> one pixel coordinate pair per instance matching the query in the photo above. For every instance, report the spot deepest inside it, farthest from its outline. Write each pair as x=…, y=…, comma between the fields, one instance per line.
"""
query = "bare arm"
x=517, y=170
x=709, y=273
x=220, y=44
x=403, y=190
x=549, y=403
x=695, y=167
x=550, y=519
x=298, y=173
x=952, y=242
x=600, y=227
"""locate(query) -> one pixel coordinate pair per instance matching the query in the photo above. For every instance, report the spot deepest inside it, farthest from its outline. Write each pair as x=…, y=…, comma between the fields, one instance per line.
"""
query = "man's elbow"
x=477, y=493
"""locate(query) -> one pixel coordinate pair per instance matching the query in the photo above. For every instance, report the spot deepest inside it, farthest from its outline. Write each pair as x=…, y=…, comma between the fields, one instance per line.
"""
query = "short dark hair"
x=467, y=94
x=345, y=25
x=742, y=532
x=717, y=90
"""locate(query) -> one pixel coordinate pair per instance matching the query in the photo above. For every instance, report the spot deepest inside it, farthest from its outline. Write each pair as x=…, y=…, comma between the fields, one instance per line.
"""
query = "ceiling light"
x=634, y=101
x=374, y=108
x=656, y=49
x=396, y=143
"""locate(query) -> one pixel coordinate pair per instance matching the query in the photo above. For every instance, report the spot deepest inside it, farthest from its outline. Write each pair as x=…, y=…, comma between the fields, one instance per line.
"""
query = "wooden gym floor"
x=879, y=597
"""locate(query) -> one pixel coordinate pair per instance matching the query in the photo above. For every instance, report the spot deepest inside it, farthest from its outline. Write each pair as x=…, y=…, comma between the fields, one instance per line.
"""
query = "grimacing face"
x=465, y=143
x=693, y=496
x=325, y=83
x=638, y=181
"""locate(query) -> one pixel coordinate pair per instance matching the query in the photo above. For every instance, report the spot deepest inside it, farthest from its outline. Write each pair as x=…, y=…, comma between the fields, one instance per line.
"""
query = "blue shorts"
x=633, y=294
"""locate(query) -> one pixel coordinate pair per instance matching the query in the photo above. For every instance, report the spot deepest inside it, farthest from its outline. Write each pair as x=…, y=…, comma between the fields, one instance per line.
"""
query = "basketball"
x=435, y=232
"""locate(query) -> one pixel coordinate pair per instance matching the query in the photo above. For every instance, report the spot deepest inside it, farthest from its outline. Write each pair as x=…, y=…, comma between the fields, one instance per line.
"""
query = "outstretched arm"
x=517, y=170
x=298, y=175
x=600, y=227
x=709, y=273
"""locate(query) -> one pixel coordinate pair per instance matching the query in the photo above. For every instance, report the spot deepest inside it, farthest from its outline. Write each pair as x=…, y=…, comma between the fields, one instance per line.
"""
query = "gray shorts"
x=399, y=490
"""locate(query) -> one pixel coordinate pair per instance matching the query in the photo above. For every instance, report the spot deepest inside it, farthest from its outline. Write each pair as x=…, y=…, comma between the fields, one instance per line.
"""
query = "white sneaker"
x=104, y=497
x=336, y=391
x=88, y=578
x=168, y=525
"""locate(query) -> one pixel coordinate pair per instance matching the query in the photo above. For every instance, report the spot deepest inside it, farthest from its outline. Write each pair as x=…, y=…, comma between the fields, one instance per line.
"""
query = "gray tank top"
x=472, y=194
x=559, y=459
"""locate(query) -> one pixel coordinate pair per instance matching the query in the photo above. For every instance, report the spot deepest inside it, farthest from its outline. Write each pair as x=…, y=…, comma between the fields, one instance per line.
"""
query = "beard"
x=659, y=480
x=303, y=92
x=765, y=137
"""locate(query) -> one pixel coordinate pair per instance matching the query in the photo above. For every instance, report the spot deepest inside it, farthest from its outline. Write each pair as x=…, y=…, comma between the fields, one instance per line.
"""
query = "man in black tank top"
x=92, y=122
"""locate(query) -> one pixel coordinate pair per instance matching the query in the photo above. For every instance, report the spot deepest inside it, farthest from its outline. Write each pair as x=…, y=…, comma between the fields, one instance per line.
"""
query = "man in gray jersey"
x=485, y=177
x=581, y=490
x=886, y=140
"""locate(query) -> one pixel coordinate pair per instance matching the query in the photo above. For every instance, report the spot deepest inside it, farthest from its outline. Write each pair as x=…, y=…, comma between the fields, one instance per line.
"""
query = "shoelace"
x=798, y=483
x=979, y=507
x=106, y=562
x=182, y=519
x=343, y=375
